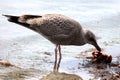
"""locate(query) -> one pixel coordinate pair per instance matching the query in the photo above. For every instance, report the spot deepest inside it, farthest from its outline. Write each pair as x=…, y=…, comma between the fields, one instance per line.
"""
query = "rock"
x=61, y=76
x=6, y=63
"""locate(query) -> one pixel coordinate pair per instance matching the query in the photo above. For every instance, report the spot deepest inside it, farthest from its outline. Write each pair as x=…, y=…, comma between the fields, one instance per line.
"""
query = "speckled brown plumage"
x=57, y=28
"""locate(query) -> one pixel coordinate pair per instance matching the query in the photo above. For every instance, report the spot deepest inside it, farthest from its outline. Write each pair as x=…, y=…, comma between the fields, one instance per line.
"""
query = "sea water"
x=18, y=43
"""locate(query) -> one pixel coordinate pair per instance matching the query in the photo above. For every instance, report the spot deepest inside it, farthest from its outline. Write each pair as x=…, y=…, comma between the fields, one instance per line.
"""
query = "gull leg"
x=60, y=56
x=55, y=63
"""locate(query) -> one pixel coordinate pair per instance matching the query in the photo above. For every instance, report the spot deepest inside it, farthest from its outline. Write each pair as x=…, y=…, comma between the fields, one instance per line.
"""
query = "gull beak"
x=97, y=46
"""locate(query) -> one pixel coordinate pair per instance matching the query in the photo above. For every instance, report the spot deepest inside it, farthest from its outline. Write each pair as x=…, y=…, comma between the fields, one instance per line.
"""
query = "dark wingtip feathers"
x=8, y=16
x=5, y=15
x=11, y=18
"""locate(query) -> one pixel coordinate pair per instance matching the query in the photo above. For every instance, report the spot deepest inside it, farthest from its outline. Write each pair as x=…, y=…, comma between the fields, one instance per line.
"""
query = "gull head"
x=90, y=38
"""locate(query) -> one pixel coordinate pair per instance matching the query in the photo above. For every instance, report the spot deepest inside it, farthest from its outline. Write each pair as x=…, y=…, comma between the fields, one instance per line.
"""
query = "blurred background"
x=18, y=44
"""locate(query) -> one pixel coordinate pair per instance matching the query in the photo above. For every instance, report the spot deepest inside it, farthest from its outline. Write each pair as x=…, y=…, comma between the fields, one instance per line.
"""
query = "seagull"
x=59, y=29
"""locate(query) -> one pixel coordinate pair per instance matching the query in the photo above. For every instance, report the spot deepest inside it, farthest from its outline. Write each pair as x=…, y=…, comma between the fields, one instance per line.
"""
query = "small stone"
x=61, y=76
